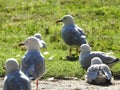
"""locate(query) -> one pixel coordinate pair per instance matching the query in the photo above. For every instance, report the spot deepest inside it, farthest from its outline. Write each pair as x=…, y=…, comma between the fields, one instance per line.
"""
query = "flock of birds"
x=33, y=63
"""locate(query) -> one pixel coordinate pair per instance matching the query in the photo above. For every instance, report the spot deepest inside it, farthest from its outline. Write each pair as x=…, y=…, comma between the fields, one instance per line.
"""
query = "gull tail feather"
x=111, y=63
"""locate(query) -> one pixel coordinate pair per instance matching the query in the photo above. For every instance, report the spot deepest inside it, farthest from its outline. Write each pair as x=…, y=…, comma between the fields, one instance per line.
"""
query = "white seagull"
x=72, y=35
x=86, y=55
x=15, y=79
x=39, y=36
x=33, y=64
x=98, y=73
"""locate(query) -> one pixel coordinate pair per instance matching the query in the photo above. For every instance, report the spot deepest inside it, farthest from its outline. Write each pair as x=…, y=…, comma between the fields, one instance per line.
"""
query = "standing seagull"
x=43, y=44
x=33, y=64
x=71, y=33
x=15, y=79
x=98, y=73
x=86, y=55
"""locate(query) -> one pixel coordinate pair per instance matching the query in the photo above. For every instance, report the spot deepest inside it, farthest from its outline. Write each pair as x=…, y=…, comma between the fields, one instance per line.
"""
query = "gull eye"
x=27, y=41
x=64, y=18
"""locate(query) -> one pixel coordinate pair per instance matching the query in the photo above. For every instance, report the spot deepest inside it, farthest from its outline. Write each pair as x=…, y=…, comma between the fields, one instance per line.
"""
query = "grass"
x=22, y=18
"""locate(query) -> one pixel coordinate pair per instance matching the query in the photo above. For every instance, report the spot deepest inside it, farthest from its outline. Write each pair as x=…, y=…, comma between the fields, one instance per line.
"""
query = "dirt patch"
x=70, y=85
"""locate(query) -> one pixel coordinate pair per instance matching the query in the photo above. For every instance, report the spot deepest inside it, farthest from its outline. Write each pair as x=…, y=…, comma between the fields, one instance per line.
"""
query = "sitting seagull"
x=43, y=44
x=72, y=35
x=33, y=64
x=15, y=79
x=86, y=55
x=98, y=73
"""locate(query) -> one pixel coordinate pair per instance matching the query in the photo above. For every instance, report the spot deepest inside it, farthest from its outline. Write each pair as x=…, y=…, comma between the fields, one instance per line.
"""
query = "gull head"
x=85, y=48
x=37, y=35
x=11, y=65
x=96, y=60
x=31, y=43
x=67, y=19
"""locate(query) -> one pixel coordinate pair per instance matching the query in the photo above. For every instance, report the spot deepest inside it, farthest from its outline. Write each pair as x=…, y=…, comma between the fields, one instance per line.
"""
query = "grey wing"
x=92, y=73
x=25, y=64
x=6, y=84
x=106, y=71
x=13, y=84
x=79, y=37
x=82, y=34
x=80, y=30
x=28, y=65
x=105, y=58
x=39, y=67
x=35, y=66
x=73, y=36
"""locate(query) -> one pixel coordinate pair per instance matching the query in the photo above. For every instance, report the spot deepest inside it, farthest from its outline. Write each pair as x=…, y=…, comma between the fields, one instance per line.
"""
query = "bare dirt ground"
x=70, y=85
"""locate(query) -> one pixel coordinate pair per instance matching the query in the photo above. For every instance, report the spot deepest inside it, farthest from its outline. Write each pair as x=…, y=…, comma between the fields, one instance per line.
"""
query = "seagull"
x=33, y=64
x=39, y=36
x=72, y=35
x=15, y=79
x=86, y=55
x=98, y=73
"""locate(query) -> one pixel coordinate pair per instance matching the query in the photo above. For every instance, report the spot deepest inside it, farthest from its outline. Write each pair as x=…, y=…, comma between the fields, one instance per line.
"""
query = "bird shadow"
x=105, y=84
x=73, y=57
x=116, y=76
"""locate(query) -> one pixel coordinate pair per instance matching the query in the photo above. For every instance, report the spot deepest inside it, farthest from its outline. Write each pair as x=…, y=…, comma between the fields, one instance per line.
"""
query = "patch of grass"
x=22, y=18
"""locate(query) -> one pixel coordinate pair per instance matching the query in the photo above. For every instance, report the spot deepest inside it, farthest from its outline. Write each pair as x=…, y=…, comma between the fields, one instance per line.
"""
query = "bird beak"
x=59, y=21
x=21, y=44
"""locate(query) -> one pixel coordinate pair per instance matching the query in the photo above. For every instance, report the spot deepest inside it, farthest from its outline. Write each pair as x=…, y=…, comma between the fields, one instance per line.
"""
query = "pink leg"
x=70, y=51
x=36, y=84
x=77, y=51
